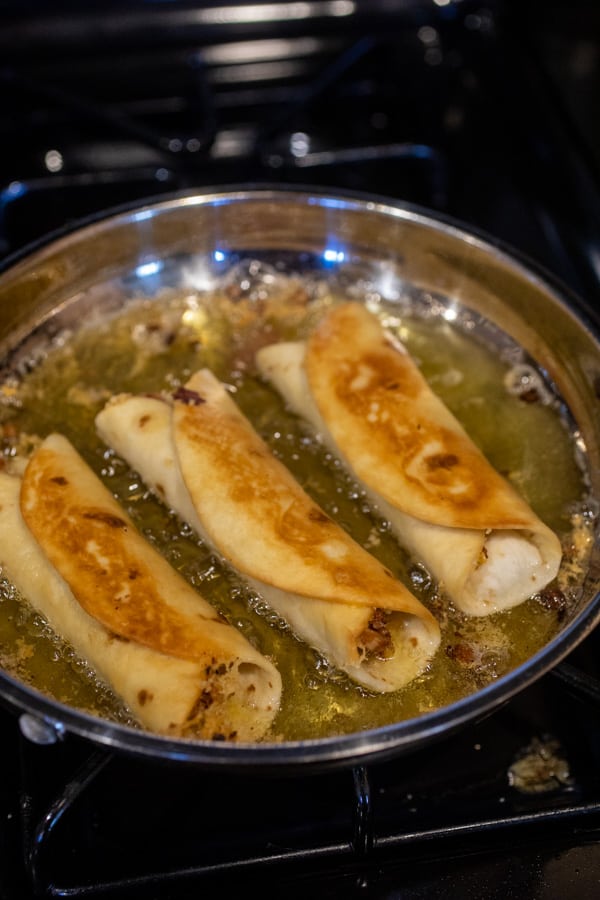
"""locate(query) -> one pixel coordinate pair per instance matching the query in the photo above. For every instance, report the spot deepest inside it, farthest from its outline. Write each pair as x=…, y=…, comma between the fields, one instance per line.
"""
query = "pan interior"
x=148, y=328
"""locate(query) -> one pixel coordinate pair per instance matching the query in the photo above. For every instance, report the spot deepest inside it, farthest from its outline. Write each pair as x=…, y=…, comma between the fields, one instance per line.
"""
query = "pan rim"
x=348, y=749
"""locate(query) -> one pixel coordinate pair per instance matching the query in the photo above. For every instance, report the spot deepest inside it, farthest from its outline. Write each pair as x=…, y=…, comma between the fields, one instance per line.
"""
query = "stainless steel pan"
x=147, y=248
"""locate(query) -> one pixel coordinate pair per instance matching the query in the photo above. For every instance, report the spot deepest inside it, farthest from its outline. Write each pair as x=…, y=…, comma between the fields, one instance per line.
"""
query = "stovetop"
x=506, y=808
x=483, y=112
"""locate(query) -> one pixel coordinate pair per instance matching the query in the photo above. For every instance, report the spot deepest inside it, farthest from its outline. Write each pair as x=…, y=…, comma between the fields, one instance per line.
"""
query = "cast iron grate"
x=430, y=104
x=385, y=103
x=89, y=823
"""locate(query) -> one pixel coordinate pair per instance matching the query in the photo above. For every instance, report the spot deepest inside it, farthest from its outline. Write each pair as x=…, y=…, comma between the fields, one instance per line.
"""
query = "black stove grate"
x=90, y=823
x=321, y=122
x=392, y=104
x=430, y=103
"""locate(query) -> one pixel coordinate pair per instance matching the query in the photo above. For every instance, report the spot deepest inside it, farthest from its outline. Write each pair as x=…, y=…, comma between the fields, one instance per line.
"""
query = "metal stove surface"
x=482, y=112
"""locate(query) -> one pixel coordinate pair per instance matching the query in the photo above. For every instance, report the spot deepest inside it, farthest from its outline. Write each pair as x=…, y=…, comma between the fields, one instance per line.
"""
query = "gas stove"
x=478, y=112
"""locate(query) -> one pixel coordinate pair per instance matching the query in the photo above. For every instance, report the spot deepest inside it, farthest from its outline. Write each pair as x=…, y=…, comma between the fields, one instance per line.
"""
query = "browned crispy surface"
x=396, y=433
x=115, y=576
x=261, y=519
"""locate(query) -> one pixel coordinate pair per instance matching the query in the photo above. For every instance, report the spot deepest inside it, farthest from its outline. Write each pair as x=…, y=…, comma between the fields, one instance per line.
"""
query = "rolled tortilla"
x=202, y=457
x=69, y=548
x=364, y=395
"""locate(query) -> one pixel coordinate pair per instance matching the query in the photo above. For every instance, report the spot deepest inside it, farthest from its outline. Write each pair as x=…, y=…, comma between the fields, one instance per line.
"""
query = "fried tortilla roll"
x=69, y=549
x=203, y=458
x=364, y=395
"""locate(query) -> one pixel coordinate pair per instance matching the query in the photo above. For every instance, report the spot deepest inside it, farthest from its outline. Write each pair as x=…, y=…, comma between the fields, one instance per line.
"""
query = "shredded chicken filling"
x=375, y=642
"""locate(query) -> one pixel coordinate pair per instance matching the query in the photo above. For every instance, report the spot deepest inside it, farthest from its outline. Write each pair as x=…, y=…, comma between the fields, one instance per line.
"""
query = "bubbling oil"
x=155, y=345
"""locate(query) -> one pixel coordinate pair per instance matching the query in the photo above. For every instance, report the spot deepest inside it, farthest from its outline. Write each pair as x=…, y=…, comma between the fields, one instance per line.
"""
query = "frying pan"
x=150, y=247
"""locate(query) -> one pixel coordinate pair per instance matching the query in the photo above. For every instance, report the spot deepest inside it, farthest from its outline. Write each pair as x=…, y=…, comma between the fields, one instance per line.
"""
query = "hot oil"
x=31, y=652
x=154, y=346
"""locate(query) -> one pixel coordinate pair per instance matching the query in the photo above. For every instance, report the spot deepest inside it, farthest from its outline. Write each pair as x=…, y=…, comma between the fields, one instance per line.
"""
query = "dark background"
x=510, y=104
